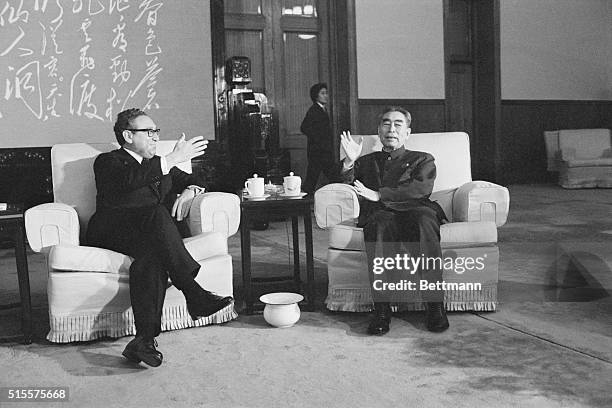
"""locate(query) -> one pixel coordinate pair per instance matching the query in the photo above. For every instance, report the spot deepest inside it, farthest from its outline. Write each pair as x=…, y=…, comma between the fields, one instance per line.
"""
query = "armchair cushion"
x=93, y=259
x=88, y=259
x=601, y=162
x=468, y=234
x=347, y=236
x=206, y=245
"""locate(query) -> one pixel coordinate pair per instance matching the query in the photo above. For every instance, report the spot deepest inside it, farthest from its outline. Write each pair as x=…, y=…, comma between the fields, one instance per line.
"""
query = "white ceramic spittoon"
x=281, y=308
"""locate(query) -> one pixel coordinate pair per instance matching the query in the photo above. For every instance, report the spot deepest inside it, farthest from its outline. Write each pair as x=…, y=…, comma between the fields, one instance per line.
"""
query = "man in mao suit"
x=135, y=205
x=394, y=186
x=317, y=128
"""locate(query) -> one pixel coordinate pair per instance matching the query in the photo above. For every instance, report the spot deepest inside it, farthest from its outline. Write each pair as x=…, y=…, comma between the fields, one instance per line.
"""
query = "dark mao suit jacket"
x=127, y=191
x=404, y=179
x=317, y=128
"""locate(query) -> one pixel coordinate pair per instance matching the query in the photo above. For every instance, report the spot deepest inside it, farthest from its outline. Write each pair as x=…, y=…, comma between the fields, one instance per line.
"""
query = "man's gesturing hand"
x=365, y=192
x=351, y=148
x=181, y=206
x=185, y=150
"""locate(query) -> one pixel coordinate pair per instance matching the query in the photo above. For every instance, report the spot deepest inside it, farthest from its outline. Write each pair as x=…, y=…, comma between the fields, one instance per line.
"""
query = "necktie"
x=155, y=185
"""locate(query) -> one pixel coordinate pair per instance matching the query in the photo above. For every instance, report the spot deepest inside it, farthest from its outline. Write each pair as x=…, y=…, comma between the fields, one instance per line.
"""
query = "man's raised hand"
x=351, y=148
x=185, y=150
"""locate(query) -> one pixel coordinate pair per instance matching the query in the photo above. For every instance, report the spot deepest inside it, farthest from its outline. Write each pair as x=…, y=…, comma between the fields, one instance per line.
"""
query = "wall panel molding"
x=540, y=102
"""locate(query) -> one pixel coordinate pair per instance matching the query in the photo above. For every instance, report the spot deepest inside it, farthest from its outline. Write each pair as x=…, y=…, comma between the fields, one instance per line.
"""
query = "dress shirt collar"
x=322, y=106
x=134, y=155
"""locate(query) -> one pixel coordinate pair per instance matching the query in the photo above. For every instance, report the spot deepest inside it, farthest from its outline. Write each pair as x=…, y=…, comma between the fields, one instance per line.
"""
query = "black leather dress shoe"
x=207, y=304
x=381, y=319
x=436, y=317
x=143, y=349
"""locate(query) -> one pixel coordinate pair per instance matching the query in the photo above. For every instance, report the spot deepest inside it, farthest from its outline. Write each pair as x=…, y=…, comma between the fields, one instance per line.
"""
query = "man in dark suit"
x=136, y=200
x=394, y=186
x=317, y=128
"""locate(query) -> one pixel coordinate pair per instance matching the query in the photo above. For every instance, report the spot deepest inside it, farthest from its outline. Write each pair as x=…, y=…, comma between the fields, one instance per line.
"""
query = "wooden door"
x=473, y=95
x=460, y=91
x=287, y=42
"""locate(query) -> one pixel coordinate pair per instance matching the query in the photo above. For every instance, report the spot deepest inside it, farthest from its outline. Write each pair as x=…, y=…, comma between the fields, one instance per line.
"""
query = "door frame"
x=486, y=156
x=342, y=52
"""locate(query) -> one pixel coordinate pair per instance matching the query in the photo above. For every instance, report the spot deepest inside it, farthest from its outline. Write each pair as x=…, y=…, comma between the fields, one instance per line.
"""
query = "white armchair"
x=474, y=208
x=88, y=287
x=583, y=157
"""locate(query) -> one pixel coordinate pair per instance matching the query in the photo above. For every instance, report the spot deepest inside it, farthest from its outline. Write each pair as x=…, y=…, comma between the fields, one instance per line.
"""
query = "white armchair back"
x=586, y=143
x=451, y=151
x=73, y=177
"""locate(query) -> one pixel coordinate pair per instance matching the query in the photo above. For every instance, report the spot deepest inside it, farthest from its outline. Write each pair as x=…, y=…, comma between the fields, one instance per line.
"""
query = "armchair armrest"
x=481, y=201
x=335, y=203
x=568, y=154
x=214, y=211
x=51, y=224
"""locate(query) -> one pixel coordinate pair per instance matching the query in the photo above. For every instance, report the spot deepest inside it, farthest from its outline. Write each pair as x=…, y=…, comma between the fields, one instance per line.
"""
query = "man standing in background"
x=317, y=128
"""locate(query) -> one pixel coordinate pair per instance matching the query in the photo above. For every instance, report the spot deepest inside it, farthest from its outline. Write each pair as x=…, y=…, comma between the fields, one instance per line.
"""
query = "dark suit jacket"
x=317, y=128
x=126, y=189
x=404, y=179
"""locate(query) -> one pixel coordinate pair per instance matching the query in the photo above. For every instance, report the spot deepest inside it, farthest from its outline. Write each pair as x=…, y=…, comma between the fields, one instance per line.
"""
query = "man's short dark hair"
x=397, y=109
x=124, y=121
x=315, y=89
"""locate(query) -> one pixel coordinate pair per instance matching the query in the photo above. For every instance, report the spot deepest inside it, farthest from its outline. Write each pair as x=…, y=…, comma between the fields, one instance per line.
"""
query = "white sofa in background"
x=474, y=208
x=583, y=157
x=88, y=287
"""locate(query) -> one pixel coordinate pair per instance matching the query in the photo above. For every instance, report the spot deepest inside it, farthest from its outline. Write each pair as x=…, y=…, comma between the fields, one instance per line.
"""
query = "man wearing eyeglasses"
x=394, y=186
x=135, y=205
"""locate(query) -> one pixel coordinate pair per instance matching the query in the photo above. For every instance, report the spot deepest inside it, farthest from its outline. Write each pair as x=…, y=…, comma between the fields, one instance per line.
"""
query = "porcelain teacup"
x=292, y=185
x=255, y=186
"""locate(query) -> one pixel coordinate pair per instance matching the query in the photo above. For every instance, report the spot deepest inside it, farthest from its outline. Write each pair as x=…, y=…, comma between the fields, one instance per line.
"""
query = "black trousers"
x=316, y=166
x=416, y=232
x=151, y=237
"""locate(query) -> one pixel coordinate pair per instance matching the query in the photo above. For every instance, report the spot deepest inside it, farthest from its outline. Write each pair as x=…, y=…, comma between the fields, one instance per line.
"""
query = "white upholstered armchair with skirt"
x=474, y=209
x=88, y=287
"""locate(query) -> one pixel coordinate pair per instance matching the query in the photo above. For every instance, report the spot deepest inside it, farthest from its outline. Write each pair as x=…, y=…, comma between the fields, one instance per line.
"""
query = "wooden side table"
x=277, y=206
x=12, y=228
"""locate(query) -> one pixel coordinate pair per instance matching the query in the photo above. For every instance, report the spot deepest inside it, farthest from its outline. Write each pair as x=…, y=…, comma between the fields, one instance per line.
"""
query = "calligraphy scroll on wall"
x=67, y=67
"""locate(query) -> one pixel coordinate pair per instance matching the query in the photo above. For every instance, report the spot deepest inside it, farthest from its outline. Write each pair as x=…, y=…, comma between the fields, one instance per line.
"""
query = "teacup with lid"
x=255, y=186
x=292, y=185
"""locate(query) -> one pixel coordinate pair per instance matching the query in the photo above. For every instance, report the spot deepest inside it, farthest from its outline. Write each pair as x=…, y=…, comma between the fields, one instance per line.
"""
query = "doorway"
x=287, y=42
x=460, y=46
x=473, y=95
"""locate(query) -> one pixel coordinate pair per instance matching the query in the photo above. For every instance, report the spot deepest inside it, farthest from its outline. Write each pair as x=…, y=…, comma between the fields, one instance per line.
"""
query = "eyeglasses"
x=396, y=125
x=150, y=132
